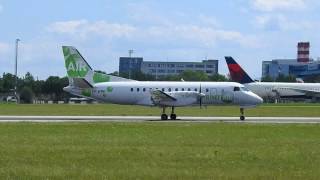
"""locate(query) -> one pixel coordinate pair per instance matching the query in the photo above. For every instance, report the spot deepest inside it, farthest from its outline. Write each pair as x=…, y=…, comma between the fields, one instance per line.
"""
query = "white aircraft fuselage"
x=185, y=93
x=284, y=90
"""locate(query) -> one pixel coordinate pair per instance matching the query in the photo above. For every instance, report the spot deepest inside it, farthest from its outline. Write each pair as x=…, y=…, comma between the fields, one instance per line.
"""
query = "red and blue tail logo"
x=236, y=72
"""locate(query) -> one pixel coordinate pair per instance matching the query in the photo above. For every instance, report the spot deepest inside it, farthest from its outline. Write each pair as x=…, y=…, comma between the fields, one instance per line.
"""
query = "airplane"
x=274, y=90
x=87, y=83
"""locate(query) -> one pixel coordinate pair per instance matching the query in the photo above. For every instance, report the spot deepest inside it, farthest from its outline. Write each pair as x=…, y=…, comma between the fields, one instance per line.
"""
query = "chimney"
x=303, y=52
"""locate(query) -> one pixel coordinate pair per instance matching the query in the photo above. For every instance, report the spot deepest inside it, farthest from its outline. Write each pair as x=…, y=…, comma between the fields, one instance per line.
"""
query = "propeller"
x=200, y=100
x=201, y=95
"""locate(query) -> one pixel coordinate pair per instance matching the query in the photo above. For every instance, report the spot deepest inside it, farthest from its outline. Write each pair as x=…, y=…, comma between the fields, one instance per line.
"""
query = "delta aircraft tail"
x=80, y=73
x=236, y=72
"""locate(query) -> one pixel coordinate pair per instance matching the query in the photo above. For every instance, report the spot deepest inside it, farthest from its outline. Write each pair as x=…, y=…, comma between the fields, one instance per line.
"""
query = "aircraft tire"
x=173, y=116
x=164, y=117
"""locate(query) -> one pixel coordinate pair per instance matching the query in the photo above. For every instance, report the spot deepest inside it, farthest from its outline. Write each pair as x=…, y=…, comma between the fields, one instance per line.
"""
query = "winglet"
x=236, y=72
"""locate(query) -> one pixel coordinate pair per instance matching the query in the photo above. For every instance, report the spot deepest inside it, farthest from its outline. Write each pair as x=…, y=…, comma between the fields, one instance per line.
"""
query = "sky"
x=251, y=31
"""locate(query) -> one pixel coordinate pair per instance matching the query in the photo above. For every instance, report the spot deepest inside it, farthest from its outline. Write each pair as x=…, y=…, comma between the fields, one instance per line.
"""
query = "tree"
x=189, y=75
x=218, y=77
x=53, y=86
x=8, y=82
x=267, y=79
x=284, y=78
x=26, y=95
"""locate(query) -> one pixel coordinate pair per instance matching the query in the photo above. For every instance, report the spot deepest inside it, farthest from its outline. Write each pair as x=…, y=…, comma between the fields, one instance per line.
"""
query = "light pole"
x=16, y=69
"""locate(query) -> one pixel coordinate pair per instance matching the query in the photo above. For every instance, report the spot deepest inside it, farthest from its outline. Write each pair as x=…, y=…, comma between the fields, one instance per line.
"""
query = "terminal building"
x=301, y=67
x=160, y=69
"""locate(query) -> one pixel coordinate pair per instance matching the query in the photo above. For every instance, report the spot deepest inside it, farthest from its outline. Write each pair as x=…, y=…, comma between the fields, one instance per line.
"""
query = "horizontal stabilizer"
x=80, y=83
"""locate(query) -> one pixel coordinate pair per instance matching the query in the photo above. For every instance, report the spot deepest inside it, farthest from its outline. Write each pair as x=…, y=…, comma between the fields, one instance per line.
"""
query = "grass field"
x=291, y=110
x=158, y=151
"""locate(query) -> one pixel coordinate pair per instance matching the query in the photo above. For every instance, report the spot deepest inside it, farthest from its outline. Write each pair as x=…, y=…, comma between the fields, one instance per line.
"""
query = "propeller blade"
x=200, y=97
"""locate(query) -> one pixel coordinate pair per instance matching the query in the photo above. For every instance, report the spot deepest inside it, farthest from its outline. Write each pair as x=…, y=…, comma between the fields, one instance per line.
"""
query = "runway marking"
x=53, y=119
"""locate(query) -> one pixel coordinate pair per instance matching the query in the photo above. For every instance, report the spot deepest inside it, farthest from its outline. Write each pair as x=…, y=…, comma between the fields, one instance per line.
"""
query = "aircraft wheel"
x=173, y=116
x=242, y=118
x=164, y=117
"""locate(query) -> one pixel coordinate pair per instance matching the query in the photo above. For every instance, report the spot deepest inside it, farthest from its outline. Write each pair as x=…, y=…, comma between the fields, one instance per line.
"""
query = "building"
x=301, y=67
x=127, y=65
x=290, y=67
x=161, y=69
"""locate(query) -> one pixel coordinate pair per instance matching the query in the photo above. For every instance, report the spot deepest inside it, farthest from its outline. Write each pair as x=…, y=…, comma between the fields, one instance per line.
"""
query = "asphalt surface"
x=313, y=120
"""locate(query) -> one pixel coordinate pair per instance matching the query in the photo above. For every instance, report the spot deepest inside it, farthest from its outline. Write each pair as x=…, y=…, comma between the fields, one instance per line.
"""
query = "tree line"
x=30, y=89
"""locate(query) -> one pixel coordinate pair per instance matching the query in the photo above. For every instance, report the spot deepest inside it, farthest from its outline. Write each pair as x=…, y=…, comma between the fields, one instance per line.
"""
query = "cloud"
x=84, y=29
x=203, y=35
x=277, y=22
x=271, y=5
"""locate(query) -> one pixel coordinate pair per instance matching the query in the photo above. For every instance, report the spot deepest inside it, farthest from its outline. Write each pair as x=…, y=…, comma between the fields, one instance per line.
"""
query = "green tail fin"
x=76, y=65
x=78, y=68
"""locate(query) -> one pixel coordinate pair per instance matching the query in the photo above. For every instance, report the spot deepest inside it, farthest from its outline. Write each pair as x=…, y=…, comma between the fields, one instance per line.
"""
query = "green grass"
x=292, y=110
x=158, y=151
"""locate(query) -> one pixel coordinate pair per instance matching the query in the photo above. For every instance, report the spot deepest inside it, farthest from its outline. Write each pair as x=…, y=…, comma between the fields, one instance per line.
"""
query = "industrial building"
x=161, y=69
x=303, y=66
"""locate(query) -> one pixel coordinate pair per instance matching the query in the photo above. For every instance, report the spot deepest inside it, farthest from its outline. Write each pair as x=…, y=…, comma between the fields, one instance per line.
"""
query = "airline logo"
x=236, y=72
x=74, y=64
x=109, y=89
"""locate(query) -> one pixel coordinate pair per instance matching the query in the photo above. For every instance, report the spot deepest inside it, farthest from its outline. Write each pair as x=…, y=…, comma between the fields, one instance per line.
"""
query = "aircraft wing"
x=158, y=96
x=306, y=91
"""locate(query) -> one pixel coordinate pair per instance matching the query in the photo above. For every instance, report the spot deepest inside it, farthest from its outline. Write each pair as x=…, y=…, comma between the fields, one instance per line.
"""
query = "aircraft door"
x=212, y=96
x=227, y=96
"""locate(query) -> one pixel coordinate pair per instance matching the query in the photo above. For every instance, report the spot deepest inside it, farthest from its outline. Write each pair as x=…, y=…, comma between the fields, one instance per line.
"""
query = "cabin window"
x=207, y=90
x=189, y=89
x=138, y=89
x=162, y=89
x=176, y=89
x=182, y=89
x=131, y=89
x=236, y=89
x=144, y=89
x=195, y=89
x=169, y=89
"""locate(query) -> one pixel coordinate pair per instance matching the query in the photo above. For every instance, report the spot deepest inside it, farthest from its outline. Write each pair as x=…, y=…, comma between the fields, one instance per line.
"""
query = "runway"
x=53, y=119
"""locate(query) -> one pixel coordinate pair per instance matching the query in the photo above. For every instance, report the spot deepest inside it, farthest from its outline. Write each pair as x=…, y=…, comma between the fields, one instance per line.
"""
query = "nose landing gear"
x=242, y=117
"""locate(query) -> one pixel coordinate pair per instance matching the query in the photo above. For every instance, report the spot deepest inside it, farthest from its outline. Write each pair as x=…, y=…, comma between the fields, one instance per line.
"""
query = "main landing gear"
x=242, y=118
x=164, y=116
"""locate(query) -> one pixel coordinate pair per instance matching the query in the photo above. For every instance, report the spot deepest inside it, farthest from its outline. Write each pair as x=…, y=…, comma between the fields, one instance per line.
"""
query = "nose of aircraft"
x=256, y=99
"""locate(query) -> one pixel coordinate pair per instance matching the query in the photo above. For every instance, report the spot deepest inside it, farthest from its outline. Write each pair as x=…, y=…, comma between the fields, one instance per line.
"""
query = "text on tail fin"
x=75, y=64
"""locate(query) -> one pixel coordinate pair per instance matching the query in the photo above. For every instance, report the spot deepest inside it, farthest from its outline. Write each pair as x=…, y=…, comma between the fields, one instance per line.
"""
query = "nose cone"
x=257, y=99
x=252, y=100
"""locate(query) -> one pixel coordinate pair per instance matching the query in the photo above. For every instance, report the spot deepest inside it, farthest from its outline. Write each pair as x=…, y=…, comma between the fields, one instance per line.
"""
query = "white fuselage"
x=139, y=93
x=275, y=89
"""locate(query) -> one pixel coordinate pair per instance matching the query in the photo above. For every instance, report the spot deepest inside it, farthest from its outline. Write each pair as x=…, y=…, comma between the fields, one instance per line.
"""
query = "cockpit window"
x=236, y=89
